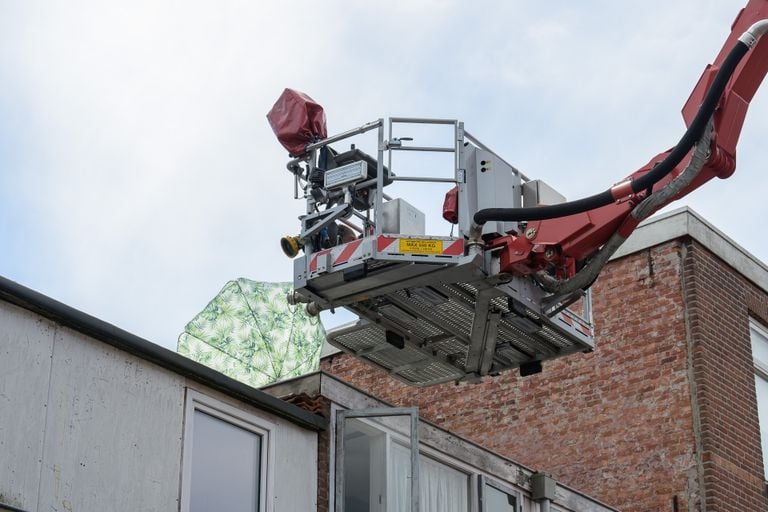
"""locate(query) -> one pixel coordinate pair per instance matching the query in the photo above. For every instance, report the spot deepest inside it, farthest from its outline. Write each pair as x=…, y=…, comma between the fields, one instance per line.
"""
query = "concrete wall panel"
x=26, y=342
x=113, y=439
x=296, y=468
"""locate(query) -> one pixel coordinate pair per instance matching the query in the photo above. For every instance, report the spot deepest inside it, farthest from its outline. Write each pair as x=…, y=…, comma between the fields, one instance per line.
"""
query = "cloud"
x=139, y=174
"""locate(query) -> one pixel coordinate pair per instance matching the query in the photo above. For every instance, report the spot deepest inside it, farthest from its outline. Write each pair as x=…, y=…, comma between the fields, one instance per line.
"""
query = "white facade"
x=86, y=426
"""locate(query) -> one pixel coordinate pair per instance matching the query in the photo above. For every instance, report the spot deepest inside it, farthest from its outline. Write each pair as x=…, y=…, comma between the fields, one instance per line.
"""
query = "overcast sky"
x=138, y=173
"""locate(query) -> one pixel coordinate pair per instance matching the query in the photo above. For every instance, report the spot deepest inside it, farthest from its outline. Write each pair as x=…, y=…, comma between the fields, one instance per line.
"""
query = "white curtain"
x=399, y=479
x=442, y=489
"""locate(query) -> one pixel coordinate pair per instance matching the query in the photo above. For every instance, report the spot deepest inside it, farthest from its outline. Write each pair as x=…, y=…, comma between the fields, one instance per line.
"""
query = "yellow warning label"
x=419, y=246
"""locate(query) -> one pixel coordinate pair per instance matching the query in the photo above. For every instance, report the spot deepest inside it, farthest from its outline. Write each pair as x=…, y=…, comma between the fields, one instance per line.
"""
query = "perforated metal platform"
x=426, y=335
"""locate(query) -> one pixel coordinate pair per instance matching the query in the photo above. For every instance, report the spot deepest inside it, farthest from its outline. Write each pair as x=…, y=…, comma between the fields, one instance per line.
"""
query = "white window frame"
x=196, y=401
x=761, y=367
x=761, y=372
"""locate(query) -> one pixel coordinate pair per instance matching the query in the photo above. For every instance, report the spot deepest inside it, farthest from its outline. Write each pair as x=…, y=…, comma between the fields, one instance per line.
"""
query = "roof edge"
x=84, y=323
x=687, y=222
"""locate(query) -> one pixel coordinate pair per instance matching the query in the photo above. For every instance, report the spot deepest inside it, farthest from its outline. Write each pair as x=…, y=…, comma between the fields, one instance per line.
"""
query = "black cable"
x=683, y=147
x=544, y=212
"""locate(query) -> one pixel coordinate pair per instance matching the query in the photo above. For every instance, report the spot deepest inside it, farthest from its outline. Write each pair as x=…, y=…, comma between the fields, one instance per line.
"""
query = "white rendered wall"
x=25, y=366
x=87, y=427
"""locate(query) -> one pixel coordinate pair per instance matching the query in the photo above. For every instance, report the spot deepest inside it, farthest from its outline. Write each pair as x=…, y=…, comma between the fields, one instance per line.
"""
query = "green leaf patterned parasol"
x=251, y=333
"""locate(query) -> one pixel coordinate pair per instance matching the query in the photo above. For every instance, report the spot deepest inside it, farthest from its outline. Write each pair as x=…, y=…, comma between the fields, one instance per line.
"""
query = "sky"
x=138, y=173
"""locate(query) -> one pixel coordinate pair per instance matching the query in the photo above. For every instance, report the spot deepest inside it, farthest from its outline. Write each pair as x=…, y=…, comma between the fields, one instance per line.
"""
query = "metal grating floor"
x=409, y=364
x=424, y=335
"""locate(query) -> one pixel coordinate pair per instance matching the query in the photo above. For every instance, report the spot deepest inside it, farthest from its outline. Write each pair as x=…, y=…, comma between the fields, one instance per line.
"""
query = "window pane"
x=759, y=346
x=364, y=467
x=761, y=387
x=225, y=466
x=498, y=501
x=399, y=478
x=376, y=474
x=443, y=489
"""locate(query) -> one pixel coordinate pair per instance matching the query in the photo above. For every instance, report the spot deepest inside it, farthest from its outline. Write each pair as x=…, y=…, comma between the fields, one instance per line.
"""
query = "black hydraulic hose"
x=683, y=147
x=699, y=123
x=544, y=212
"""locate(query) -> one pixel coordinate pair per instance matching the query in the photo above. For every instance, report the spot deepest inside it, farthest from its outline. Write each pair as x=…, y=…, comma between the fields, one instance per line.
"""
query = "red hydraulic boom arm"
x=565, y=246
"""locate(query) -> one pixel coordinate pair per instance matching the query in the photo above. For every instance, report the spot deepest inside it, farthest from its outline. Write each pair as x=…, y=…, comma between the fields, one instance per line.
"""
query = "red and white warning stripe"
x=349, y=251
x=339, y=255
x=315, y=257
x=568, y=319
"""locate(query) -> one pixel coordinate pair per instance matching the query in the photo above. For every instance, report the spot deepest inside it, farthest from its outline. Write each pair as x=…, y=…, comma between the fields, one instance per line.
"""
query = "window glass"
x=761, y=387
x=496, y=497
x=499, y=501
x=377, y=472
x=760, y=356
x=364, y=467
x=225, y=466
x=374, y=452
x=399, y=478
x=443, y=489
x=759, y=345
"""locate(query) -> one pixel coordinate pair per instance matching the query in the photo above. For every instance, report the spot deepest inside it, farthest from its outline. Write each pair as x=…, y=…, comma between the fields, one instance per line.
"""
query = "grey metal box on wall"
x=401, y=217
x=489, y=183
x=536, y=192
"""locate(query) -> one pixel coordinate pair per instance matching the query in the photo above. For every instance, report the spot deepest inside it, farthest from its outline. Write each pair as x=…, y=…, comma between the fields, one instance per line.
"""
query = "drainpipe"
x=543, y=490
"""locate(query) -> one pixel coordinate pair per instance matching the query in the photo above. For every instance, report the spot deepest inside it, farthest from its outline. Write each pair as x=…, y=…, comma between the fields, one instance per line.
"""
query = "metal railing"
x=388, y=145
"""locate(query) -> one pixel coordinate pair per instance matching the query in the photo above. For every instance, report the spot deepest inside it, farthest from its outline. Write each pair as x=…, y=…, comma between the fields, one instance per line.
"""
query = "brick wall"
x=617, y=424
x=720, y=302
x=324, y=465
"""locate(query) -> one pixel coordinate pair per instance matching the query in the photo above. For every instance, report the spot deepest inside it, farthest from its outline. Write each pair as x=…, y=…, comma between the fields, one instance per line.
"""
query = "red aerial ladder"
x=496, y=296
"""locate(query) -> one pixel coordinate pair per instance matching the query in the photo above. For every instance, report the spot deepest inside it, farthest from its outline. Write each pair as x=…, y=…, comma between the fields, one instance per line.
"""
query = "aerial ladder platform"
x=509, y=288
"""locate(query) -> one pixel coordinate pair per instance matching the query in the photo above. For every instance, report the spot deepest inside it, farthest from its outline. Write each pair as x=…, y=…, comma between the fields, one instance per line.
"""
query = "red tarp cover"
x=297, y=120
